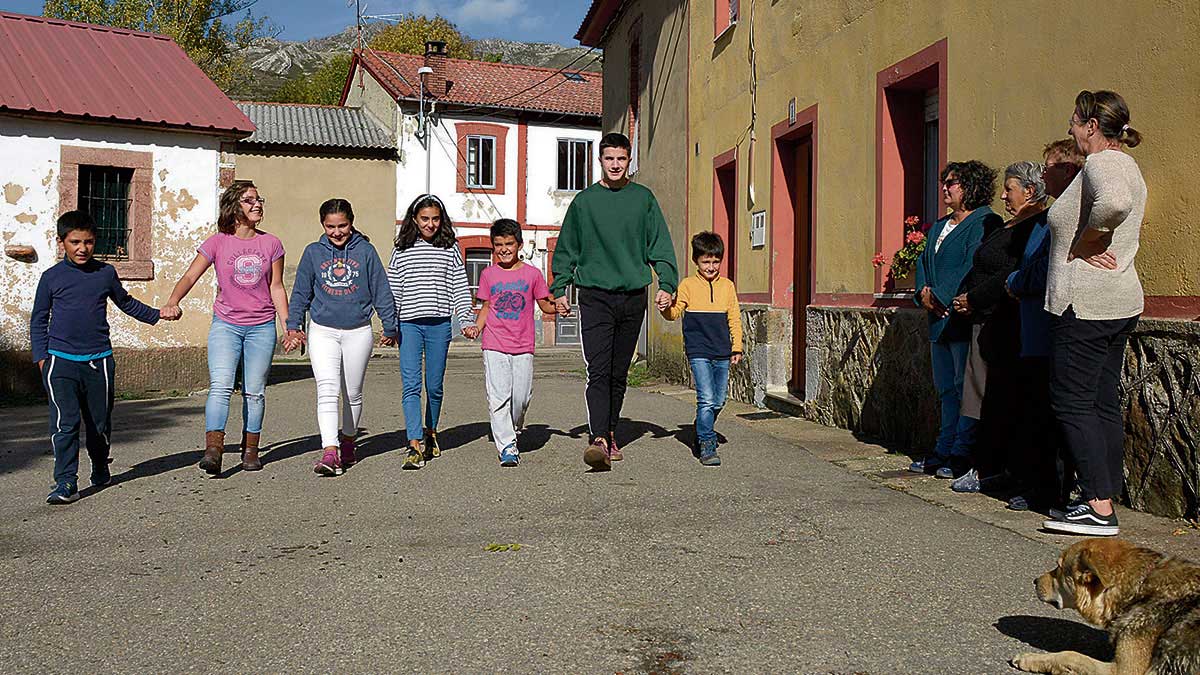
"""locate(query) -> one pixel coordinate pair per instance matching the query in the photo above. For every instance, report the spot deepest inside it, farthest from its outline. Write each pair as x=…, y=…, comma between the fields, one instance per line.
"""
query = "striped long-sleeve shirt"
x=428, y=282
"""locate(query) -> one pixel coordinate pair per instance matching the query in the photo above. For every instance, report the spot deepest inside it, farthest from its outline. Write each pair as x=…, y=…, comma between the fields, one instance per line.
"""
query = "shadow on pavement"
x=27, y=433
x=1057, y=635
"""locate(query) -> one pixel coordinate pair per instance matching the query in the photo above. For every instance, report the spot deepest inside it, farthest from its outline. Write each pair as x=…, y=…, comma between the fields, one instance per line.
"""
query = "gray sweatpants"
x=509, y=381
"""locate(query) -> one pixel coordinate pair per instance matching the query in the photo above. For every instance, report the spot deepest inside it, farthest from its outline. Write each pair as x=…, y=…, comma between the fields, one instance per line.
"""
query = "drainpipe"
x=422, y=123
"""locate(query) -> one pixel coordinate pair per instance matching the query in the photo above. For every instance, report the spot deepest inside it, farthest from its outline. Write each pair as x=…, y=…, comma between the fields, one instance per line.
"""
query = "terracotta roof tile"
x=94, y=72
x=492, y=85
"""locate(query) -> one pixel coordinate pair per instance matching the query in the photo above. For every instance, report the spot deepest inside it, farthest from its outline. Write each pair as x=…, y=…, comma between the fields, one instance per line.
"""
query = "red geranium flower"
x=879, y=260
x=915, y=237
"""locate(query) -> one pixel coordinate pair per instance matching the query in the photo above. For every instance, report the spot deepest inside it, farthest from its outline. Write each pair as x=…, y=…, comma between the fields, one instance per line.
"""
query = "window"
x=910, y=149
x=932, y=188
x=477, y=259
x=116, y=188
x=104, y=194
x=725, y=16
x=481, y=162
x=574, y=164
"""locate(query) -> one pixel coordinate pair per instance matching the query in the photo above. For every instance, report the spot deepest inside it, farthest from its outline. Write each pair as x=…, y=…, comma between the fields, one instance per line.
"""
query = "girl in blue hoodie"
x=339, y=282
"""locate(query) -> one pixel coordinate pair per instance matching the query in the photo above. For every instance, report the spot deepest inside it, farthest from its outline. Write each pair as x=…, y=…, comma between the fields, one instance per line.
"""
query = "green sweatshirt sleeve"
x=566, y=252
x=660, y=253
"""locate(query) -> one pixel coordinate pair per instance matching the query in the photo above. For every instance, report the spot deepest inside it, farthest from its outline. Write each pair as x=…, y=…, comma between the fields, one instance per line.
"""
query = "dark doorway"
x=796, y=162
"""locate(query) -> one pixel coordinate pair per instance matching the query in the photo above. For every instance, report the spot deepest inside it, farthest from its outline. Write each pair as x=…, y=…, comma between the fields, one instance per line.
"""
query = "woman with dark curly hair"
x=967, y=189
x=1095, y=297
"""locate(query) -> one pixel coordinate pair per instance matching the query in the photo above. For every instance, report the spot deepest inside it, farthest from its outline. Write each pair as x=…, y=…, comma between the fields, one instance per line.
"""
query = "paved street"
x=778, y=561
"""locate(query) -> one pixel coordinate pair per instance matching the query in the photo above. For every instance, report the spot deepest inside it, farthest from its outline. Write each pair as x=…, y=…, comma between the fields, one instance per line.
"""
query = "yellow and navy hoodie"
x=712, y=319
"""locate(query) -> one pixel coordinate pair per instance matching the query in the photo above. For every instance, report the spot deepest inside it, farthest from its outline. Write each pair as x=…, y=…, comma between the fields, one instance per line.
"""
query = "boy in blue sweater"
x=68, y=330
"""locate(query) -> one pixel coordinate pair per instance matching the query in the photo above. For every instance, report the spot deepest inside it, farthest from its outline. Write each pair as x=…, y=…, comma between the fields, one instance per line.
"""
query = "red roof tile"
x=80, y=70
x=491, y=85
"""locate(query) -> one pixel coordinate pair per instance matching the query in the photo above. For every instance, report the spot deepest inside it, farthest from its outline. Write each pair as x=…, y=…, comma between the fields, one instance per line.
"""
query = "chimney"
x=435, y=58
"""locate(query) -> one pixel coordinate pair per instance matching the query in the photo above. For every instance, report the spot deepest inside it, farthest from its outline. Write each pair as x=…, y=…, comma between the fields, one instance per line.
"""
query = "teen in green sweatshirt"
x=614, y=232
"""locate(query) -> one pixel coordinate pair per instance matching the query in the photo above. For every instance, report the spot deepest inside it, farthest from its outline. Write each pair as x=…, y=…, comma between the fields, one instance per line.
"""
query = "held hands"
x=170, y=313
x=563, y=306
x=471, y=332
x=663, y=300
x=961, y=304
x=293, y=339
x=385, y=341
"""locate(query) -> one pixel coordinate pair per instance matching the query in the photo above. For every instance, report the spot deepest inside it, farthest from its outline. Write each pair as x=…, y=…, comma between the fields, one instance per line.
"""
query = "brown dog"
x=1149, y=604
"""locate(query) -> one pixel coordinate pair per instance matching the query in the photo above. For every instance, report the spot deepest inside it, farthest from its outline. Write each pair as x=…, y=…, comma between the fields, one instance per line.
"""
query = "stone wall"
x=874, y=378
x=139, y=372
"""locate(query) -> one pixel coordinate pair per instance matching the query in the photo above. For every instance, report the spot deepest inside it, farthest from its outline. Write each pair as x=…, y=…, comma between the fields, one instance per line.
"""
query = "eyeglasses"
x=951, y=182
x=254, y=200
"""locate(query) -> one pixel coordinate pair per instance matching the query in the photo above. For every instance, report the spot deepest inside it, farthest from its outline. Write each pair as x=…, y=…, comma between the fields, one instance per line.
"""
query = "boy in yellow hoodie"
x=712, y=336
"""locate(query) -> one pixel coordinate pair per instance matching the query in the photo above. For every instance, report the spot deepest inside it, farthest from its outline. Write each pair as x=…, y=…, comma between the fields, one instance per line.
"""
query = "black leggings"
x=609, y=325
x=1085, y=379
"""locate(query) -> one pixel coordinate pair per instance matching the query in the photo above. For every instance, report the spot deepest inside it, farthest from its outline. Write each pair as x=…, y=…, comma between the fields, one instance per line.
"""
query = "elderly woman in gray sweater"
x=1095, y=297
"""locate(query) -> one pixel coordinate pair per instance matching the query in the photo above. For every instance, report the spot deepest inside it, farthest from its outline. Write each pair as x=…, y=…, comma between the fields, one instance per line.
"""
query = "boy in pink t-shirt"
x=508, y=290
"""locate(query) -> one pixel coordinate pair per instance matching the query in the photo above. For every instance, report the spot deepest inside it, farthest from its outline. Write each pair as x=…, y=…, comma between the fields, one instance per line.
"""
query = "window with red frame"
x=725, y=17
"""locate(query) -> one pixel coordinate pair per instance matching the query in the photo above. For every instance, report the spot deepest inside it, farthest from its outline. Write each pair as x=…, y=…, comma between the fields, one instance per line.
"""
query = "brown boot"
x=250, y=461
x=214, y=445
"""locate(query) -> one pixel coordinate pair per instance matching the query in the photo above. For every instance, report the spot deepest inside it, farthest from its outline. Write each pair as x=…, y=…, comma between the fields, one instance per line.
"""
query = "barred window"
x=574, y=164
x=104, y=194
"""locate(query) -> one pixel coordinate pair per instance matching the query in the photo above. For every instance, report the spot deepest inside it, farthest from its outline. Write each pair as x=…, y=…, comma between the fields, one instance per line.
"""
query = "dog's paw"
x=1030, y=663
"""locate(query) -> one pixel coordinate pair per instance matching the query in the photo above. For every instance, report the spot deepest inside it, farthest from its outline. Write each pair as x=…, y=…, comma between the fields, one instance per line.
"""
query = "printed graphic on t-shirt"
x=509, y=298
x=247, y=267
x=339, y=276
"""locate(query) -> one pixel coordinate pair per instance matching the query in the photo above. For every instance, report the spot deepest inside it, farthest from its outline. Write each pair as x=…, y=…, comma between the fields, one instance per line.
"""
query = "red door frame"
x=725, y=208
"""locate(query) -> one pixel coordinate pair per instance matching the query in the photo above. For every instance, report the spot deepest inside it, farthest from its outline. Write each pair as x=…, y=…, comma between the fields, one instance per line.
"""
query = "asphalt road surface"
x=775, y=562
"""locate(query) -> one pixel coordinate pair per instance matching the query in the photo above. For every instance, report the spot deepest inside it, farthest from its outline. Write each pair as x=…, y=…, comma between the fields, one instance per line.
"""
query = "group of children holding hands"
x=612, y=235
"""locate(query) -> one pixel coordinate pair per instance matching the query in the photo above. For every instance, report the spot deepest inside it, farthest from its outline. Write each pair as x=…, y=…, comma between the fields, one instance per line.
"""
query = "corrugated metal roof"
x=315, y=125
x=81, y=70
x=491, y=85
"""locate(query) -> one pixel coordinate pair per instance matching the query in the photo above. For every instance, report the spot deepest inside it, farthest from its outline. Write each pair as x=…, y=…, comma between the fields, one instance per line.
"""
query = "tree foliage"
x=323, y=87
x=408, y=36
x=207, y=30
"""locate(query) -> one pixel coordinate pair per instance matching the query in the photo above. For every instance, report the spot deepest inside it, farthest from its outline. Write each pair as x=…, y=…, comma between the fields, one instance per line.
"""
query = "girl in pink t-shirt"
x=508, y=291
x=249, y=268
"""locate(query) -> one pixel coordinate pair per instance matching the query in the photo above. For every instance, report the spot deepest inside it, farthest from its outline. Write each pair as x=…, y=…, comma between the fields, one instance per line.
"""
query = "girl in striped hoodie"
x=429, y=284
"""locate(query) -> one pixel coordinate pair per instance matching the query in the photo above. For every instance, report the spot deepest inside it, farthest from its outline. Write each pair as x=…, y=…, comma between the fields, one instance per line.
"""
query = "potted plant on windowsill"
x=905, y=259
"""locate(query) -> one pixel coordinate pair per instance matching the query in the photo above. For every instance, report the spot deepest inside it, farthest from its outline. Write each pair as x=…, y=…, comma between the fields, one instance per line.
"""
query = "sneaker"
x=710, y=458
x=330, y=464
x=346, y=447
x=944, y=472
x=927, y=465
x=63, y=493
x=101, y=476
x=596, y=455
x=432, y=449
x=1083, y=519
x=413, y=460
x=1018, y=503
x=968, y=482
x=614, y=452
x=509, y=457
x=1058, y=514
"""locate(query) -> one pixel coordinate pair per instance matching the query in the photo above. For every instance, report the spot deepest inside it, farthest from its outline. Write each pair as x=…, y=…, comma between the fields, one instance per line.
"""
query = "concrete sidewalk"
x=799, y=554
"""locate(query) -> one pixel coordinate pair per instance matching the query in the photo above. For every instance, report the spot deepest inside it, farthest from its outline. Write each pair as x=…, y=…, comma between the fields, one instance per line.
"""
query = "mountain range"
x=274, y=61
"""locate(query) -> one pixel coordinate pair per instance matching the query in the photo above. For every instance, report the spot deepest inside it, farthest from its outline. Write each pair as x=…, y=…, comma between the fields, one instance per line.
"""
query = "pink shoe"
x=330, y=464
x=346, y=447
x=614, y=452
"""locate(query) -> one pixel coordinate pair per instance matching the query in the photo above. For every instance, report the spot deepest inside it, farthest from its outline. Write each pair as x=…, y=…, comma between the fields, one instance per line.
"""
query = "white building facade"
x=493, y=150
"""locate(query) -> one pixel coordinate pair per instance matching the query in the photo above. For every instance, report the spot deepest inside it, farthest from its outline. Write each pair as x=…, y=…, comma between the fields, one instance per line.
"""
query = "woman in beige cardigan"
x=1095, y=297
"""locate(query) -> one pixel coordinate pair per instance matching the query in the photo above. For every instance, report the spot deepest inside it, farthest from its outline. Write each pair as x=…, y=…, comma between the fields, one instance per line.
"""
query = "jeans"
x=228, y=347
x=80, y=392
x=1085, y=380
x=339, y=359
x=610, y=323
x=509, y=382
x=957, y=433
x=712, y=383
x=429, y=338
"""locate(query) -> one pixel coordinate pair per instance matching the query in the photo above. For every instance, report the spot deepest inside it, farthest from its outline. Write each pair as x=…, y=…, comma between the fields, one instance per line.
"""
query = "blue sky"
x=526, y=20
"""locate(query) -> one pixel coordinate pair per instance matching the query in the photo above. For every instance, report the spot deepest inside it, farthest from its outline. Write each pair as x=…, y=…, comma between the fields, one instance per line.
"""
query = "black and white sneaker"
x=1083, y=519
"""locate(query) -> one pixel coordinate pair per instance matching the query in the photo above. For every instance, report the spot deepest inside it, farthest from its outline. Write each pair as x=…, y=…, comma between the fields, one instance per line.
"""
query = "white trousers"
x=339, y=362
x=509, y=381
